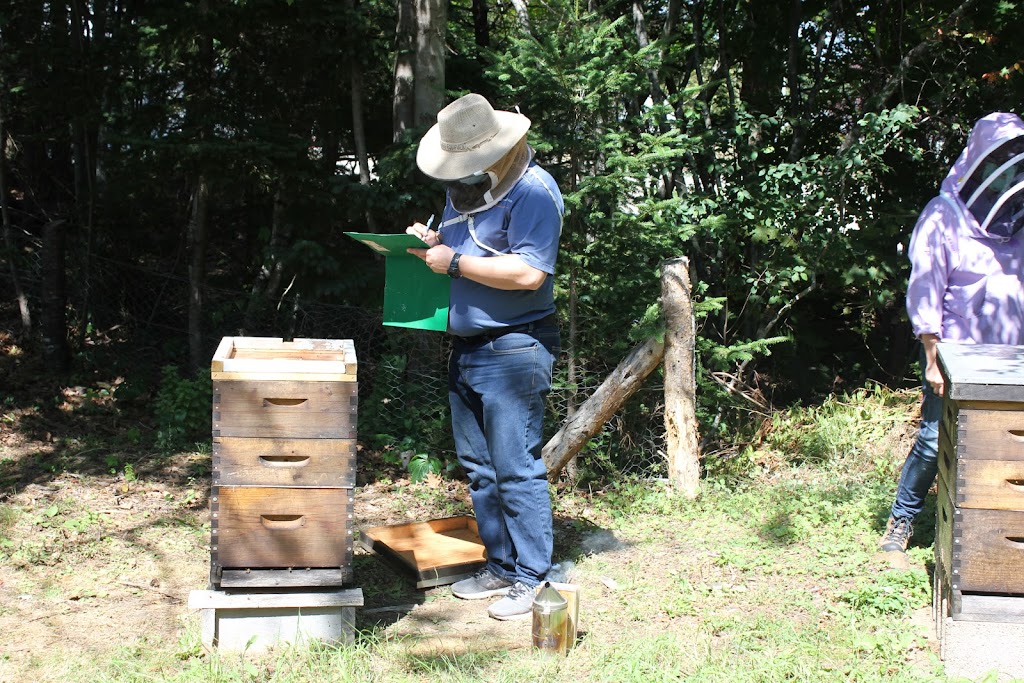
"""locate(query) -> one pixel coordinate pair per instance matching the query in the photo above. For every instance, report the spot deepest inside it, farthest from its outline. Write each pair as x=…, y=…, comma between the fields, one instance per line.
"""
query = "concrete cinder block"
x=974, y=649
x=256, y=621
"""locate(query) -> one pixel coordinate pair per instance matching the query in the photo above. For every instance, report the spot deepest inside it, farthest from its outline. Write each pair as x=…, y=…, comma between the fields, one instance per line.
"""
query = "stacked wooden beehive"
x=284, y=435
x=284, y=458
x=979, y=540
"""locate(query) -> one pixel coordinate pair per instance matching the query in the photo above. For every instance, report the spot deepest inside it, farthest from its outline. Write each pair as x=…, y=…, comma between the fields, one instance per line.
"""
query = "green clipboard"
x=414, y=295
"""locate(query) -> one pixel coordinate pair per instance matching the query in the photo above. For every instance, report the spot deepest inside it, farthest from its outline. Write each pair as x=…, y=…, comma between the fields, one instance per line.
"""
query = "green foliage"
x=849, y=426
x=573, y=76
x=894, y=593
x=862, y=429
x=182, y=410
x=787, y=180
x=421, y=465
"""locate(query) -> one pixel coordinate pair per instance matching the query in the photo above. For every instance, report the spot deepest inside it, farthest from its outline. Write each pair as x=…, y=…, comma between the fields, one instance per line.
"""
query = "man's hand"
x=437, y=258
x=424, y=233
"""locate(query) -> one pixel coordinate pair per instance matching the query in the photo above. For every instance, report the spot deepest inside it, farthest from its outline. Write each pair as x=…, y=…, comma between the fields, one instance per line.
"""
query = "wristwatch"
x=453, y=267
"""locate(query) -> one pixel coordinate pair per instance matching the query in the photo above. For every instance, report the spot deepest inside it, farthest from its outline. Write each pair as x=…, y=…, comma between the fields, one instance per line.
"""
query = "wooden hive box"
x=979, y=539
x=283, y=480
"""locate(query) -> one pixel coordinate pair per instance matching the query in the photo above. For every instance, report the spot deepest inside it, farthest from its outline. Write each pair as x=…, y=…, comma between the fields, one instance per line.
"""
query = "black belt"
x=550, y=320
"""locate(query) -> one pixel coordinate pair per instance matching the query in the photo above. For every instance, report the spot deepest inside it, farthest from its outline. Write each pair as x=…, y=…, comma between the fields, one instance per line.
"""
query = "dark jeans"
x=922, y=463
x=497, y=388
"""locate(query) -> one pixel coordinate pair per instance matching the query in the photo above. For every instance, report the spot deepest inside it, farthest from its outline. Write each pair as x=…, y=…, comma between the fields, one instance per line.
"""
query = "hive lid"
x=983, y=372
x=433, y=553
x=272, y=358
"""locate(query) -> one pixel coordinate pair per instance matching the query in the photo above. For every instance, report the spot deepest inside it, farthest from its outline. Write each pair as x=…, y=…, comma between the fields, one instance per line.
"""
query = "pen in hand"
x=430, y=221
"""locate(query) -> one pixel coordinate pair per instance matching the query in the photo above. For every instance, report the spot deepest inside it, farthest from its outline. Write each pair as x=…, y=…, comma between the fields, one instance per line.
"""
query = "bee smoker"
x=550, y=619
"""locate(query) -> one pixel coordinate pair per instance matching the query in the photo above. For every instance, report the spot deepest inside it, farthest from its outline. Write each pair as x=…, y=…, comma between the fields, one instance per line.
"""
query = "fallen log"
x=602, y=404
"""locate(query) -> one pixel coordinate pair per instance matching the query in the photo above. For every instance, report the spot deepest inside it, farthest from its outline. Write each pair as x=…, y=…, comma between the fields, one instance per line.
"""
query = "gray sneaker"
x=517, y=603
x=483, y=584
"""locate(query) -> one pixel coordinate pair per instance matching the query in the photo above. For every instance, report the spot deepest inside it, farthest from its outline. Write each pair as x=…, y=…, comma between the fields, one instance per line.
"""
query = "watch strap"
x=453, y=267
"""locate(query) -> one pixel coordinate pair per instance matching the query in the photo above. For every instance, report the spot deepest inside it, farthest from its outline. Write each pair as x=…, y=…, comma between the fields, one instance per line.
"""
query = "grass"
x=768, y=576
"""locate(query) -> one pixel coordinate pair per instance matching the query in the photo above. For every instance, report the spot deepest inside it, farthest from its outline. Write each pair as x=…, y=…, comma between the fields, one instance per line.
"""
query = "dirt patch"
x=96, y=561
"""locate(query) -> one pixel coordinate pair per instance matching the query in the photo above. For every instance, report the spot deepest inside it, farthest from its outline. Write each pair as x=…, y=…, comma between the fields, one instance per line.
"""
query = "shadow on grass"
x=812, y=507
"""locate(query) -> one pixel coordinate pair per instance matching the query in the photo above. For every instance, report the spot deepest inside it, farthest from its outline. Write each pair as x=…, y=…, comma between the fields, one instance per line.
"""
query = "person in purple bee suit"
x=967, y=265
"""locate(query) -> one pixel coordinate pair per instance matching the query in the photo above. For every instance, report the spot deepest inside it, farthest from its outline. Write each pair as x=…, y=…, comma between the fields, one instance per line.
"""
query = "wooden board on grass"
x=433, y=553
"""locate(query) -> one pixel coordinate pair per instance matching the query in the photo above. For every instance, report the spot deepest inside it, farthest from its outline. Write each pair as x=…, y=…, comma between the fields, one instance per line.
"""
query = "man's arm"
x=931, y=371
x=507, y=271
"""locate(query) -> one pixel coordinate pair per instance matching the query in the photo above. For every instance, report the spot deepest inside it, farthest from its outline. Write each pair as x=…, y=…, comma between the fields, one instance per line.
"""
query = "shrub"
x=182, y=410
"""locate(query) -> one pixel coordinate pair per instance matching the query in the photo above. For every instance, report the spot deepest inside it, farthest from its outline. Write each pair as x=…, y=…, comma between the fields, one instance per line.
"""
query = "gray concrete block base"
x=976, y=649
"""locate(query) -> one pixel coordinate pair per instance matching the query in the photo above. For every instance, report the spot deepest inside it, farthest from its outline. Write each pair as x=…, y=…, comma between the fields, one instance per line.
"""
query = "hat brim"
x=443, y=165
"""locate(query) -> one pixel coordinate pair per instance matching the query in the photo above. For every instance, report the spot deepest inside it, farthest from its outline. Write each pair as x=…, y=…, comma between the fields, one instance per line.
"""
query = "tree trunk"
x=798, y=111
x=680, y=378
x=403, y=103
x=428, y=79
x=198, y=227
x=523, y=13
x=83, y=153
x=481, y=28
x=359, y=133
x=572, y=373
x=644, y=41
x=9, y=247
x=599, y=408
x=197, y=241
x=763, y=77
x=54, y=298
x=268, y=280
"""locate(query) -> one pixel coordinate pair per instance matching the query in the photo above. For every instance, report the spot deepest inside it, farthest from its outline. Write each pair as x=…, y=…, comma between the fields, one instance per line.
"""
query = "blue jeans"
x=922, y=463
x=497, y=389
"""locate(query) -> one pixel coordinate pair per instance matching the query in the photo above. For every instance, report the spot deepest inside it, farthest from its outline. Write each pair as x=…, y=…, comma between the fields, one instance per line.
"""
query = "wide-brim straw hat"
x=469, y=136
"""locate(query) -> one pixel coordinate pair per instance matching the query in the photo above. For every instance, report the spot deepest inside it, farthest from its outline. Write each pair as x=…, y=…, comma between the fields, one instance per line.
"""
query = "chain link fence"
x=139, y=321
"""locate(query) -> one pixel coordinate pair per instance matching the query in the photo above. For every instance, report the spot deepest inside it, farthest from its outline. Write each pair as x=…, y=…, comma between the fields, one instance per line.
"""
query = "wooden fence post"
x=680, y=377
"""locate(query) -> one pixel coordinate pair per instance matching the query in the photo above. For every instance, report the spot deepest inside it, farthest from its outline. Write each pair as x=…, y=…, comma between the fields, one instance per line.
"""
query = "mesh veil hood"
x=987, y=179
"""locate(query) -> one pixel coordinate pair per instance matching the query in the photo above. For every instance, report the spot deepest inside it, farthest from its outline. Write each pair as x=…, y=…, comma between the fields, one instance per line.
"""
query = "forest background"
x=178, y=171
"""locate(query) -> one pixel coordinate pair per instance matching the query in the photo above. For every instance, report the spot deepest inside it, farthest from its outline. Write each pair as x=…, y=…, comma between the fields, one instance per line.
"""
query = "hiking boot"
x=897, y=535
x=483, y=584
x=517, y=603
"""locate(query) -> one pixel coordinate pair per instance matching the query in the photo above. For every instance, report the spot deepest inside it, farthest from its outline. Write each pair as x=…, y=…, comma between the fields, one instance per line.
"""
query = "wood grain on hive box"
x=284, y=462
x=284, y=409
x=263, y=526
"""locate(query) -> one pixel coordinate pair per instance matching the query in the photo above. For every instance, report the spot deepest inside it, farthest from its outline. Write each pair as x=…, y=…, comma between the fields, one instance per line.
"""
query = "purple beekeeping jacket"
x=967, y=249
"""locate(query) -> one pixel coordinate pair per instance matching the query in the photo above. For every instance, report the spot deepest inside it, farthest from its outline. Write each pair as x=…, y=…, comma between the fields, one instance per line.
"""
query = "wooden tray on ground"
x=433, y=553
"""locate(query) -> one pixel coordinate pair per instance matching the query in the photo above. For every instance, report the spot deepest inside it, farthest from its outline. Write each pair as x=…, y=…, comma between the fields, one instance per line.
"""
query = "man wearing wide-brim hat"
x=498, y=241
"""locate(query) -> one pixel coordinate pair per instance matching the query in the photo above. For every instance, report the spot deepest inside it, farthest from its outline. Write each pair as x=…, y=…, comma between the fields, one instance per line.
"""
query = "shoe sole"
x=481, y=595
x=510, y=617
x=892, y=548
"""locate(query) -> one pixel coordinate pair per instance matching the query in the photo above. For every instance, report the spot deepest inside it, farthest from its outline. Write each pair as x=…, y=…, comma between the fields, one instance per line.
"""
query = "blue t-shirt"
x=527, y=222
